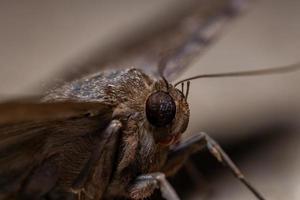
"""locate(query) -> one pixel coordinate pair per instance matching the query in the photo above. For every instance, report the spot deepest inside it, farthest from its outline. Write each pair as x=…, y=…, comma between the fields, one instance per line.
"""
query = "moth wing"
x=24, y=111
x=31, y=133
x=166, y=45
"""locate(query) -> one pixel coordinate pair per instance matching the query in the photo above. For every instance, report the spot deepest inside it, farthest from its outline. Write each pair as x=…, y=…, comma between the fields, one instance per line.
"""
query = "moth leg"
x=99, y=157
x=144, y=186
x=196, y=143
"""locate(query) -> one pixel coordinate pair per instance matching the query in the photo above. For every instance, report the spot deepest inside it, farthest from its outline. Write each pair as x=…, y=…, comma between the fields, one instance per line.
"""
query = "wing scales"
x=27, y=141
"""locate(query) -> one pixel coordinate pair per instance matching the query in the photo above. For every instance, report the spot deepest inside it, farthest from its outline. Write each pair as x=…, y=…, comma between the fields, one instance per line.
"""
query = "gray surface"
x=38, y=38
x=266, y=36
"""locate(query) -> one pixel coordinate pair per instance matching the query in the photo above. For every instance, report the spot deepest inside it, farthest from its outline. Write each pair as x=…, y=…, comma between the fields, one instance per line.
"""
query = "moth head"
x=167, y=113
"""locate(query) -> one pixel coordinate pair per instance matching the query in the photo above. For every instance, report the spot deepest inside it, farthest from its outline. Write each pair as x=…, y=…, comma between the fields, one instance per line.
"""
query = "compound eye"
x=160, y=109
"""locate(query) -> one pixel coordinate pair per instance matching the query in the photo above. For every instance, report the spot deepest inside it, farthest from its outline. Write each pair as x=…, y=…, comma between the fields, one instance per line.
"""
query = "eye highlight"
x=160, y=109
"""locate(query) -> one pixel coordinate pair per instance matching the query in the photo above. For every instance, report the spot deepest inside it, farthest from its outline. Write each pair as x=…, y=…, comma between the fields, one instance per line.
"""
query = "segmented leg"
x=196, y=143
x=144, y=186
x=94, y=169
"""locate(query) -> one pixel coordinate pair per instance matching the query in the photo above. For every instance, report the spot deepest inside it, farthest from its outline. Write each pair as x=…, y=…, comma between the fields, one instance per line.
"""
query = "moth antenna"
x=166, y=82
x=182, y=87
x=187, y=90
x=267, y=71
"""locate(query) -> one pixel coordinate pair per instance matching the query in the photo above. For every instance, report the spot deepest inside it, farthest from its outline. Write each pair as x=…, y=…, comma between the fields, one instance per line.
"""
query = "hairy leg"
x=144, y=186
x=181, y=152
x=100, y=157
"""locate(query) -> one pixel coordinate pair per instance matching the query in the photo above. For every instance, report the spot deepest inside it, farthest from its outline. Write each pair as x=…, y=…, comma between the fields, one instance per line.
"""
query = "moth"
x=116, y=133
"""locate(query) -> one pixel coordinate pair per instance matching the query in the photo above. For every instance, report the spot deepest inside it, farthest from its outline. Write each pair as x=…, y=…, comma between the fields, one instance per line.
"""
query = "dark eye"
x=160, y=109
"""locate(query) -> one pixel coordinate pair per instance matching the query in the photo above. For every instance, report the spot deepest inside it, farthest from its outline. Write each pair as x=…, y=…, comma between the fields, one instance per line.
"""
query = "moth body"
x=114, y=133
x=143, y=147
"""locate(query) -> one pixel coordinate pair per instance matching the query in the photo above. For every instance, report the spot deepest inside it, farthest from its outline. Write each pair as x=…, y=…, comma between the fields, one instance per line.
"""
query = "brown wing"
x=32, y=133
x=12, y=112
x=172, y=40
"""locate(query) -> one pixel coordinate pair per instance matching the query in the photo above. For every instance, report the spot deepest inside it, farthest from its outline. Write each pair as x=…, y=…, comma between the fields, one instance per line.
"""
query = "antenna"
x=267, y=71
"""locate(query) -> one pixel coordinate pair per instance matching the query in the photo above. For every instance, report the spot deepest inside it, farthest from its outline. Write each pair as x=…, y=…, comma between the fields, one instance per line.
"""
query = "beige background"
x=39, y=38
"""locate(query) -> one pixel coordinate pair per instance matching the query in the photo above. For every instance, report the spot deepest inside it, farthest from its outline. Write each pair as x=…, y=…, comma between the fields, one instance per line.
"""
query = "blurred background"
x=255, y=119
